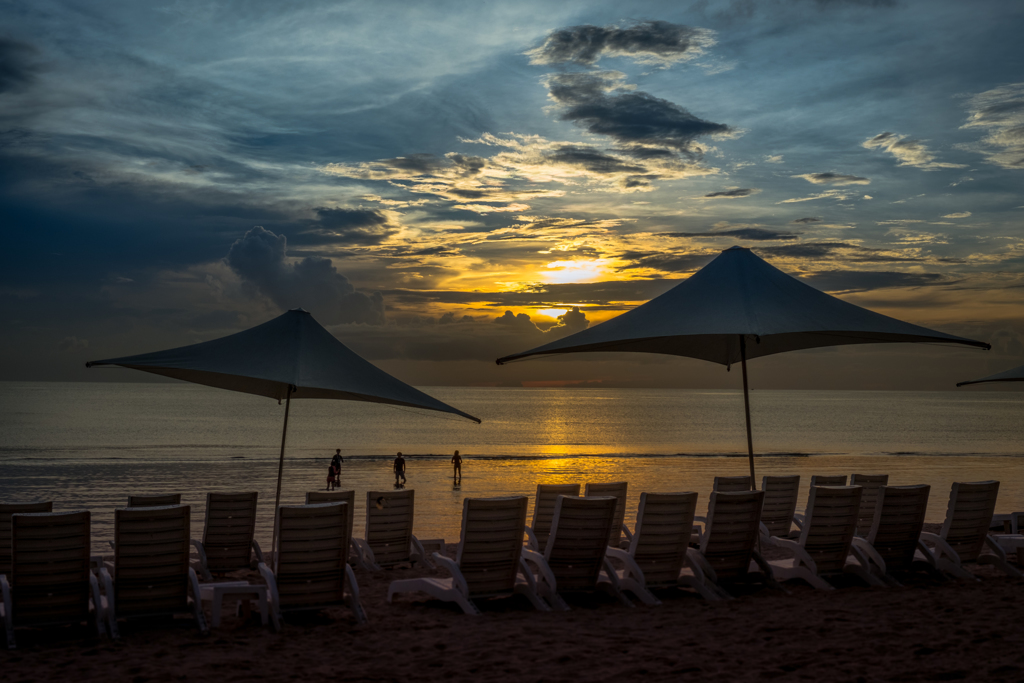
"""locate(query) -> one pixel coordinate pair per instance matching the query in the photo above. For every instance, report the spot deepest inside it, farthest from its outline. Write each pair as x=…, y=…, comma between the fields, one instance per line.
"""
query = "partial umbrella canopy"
x=1011, y=375
x=291, y=356
x=740, y=307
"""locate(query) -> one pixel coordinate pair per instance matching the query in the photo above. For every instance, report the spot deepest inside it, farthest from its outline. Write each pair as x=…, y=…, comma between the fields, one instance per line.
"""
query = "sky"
x=444, y=183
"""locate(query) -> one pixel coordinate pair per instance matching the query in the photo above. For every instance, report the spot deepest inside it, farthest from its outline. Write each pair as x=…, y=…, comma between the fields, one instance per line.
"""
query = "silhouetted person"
x=332, y=477
x=399, y=468
x=336, y=463
x=457, y=463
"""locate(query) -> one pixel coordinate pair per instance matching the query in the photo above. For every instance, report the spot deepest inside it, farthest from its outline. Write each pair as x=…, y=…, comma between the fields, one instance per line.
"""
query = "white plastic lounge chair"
x=154, y=500
x=228, y=534
x=544, y=511
x=152, y=575
x=314, y=497
x=574, y=554
x=488, y=559
x=731, y=484
x=965, y=532
x=657, y=546
x=49, y=581
x=892, y=538
x=311, y=562
x=825, y=538
x=6, y=510
x=780, y=494
x=1012, y=523
x=727, y=544
x=819, y=480
x=618, y=490
x=872, y=485
x=389, y=539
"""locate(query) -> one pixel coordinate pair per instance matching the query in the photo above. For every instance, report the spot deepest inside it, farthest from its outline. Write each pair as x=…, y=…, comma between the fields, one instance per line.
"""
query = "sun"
x=582, y=270
x=552, y=312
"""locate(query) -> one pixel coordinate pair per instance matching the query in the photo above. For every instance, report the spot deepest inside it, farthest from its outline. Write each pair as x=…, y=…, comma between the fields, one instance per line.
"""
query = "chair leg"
x=355, y=603
x=1001, y=564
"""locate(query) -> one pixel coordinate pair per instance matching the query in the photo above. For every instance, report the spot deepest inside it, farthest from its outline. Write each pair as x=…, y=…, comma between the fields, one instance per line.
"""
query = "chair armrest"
x=941, y=547
x=353, y=590
x=97, y=601
x=5, y=590
x=626, y=532
x=197, y=597
x=416, y=550
x=700, y=565
x=256, y=549
x=631, y=566
x=364, y=555
x=450, y=564
x=797, y=549
x=275, y=599
x=531, y=540
x=108, y=590
x=862, y=545
x=995, y=547
x=799, y=518
x=766, y=569
x=204, y=567
x=765, y=534
x=538, y=560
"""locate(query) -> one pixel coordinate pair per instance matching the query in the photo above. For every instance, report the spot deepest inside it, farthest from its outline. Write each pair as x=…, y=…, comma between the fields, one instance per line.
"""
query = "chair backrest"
x=829, y=525
x=828, y=480
x=6, y=510
x=151, y=549
x=579, y=539
x=968, y=516
x=734, y=519
x=544, y=509
x=491, y=543
x=896, y=527
x=780, y=494
x=50, y=567
x=731, y=484
x=662, y=534
x=872, y=485
x=312, y=552
x=229, y=530
x=618, y=490
x=314, y=497
x=389, y=517
x=154, y=500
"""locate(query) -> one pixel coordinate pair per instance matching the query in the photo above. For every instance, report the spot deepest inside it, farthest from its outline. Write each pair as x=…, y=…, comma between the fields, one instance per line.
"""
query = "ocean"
x=88, y=445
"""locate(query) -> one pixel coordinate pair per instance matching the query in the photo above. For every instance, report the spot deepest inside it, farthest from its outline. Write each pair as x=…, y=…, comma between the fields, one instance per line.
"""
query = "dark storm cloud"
x=346, y=226
x=848, y=252
x=260, y=259
x=830, y=178
x=808, y=219
x=755, y=234
x=863, y=280
x=733, y=194
x=648, y=41
x=17, y=67
x=593, y=160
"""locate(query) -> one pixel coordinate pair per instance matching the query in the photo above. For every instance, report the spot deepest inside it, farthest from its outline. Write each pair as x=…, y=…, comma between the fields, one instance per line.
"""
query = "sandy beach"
x=929, y=629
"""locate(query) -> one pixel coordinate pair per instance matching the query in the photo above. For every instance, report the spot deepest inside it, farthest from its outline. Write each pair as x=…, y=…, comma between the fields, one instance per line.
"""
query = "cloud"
x=260, y=259
x=808, y=219
x=908, y=151
x=573, y=320
x=838, y=195
x=841, y=251
x=960, y=214
x=745, y=233
x=865, y=280
x=999, y=112
x=773, y=159
x=17, y=69
x=833, y=179
x=647, y=42
x=735, y=193
x=669, y=263
x=346, y=226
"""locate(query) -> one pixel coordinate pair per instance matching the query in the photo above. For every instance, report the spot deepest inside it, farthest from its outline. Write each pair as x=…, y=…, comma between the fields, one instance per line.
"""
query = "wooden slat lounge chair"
x=890, y=543
x=228, y=534
x=314, y=497
x=618, y=490
x=824, y=542
x=389, y=539
x=154, y=500
x=488, y=560
x=727, y=545
x=152, y=576
x=872, y=485
x=657, y=546
x=819, y=480
x=574, y=554
x=544, y=511
x=6, y=510
x=780, y=494
x=965, y=532
x=49, y=580
x=311, y=561
x=731, y=484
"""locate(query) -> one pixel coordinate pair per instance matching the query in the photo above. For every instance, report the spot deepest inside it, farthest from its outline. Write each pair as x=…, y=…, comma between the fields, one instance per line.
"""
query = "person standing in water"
x=399, y=469
x=457, y=463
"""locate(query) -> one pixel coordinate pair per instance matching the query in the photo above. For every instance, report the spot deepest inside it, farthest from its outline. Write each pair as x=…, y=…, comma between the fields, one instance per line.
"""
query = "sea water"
x=88, y=445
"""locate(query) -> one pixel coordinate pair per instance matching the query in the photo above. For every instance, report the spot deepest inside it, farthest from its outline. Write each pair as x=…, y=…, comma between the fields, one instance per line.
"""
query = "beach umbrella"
x=291, y=356
x=736, y=308
x=1011, y=375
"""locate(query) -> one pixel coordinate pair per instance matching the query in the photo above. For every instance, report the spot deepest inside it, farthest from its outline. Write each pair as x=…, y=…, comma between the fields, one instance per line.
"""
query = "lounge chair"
x=6, y=510
x=965, y=532
x=727, y=544
x=544, y=511
x=389, y=539
x=488, y=560
x=731, y=484
x=819, y=480
x=872, y=485
x=154, y=500
x=891, y=540
x=49, y=580
x=780, y=494
x=825, y=538
x=574, y=554
x=657, y=546
x=228, y=534
x=152, y=576
x=618, y=490
x=311, y=561
x=314, y=497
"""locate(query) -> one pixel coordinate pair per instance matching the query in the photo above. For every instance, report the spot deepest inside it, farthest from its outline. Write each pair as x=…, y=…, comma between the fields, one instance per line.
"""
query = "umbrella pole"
x=746, y=408
x=280, y=472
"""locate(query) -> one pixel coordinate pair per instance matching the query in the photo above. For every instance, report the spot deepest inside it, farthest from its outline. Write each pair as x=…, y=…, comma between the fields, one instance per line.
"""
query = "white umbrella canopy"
x=736, y=299
x=291, y=356
x=1011, y=375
